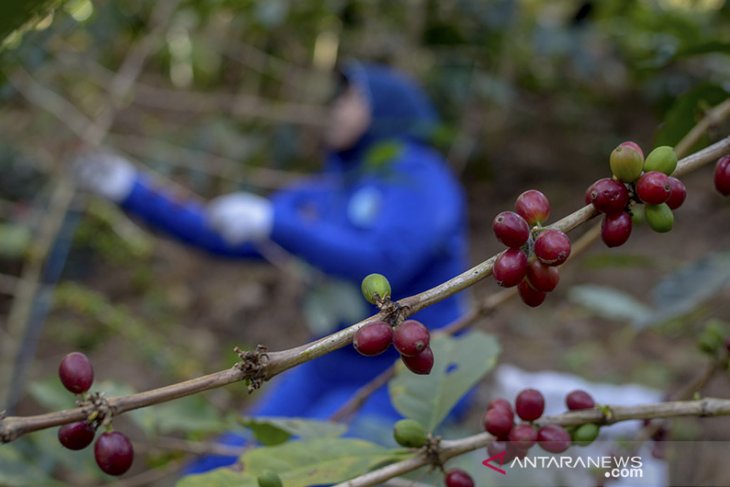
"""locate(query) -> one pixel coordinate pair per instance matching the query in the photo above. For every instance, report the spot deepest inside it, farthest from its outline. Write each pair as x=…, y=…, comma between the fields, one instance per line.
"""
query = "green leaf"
x=685, y=112
x=459, y=363
x=13, y=15
x=274, y=431
x=221, y=477
x=190, y=414
x=318, y=460
x=18, y=471
x=609, y=303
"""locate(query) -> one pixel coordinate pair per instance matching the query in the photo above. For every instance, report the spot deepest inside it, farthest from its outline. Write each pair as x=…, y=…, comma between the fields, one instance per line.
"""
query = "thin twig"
x=712, y=118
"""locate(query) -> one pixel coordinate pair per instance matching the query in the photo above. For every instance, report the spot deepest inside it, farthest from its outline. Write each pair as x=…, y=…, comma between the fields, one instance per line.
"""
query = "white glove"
x=105, y=174
x=241, y=217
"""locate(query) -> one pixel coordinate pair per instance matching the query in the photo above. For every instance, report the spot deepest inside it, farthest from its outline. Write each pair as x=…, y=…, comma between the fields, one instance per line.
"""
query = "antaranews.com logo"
x=616, y=467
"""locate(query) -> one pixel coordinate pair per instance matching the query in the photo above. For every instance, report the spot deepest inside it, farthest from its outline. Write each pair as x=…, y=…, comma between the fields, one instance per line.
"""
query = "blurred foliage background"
x=532, y=94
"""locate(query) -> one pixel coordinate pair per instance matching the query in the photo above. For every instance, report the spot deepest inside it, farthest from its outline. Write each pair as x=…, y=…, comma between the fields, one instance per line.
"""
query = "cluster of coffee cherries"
x=722, y=175
x=533, y=253
x=637, y=182
x=411, y=338
x=514, y=440
x=113, y=451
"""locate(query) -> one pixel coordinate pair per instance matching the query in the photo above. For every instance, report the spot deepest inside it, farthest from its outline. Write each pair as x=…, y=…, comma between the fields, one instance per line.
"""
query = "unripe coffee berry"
x=375, y=288
x=579, y=399
x=659, y=217
x=76, y=372
x=529, y=295
x=662, y=159
x=722, y=175
x=616, y=229
x=585, y=434
x=409, y=433
x=510, y=267
x=113, y=453
x=533, y=206
x=609, y=196
x=553, y=438
x=498, y=422
x=542, y=277
x=421, y=364
x=410, y=338
x=679, y=193
x=653, y=188
x=457, y=477
x=373, y=338
x=511, y=229
x=269, y=479
x=552, y=247
x=76, y=436
x=627, y=162
x=523, y=436
x=530, y=404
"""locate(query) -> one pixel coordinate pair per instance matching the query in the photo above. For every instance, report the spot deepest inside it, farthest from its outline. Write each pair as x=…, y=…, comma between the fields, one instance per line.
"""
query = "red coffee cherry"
x=523, y=436
x=679, y=193
x=421, y=364
x=616, y=229
x=501, y=403
x=542, y=277
x=533, y=206
x=114, y=453
x=456, y=477
x=410, y=338
x=76, y=436
x=553, y=438
x=552, y=247
x=529, y=295
x=722, y=175
x=579, y=399
x=529, y=404
x=498, y=422
x=373, y=339
x=76, y=372
x=511, y=229
x=653, y=188
x=510, y=267
x=609, y=196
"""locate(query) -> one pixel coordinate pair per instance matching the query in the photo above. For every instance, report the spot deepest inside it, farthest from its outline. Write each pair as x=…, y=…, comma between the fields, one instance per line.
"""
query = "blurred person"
x=403, y=217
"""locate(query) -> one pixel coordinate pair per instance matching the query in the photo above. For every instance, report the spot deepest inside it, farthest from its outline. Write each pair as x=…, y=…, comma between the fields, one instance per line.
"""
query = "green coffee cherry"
x=585, y=434
x=269, y=479
x=375, y=288
x=409, y=433
x=712, y=338
x=659, y=217
x=626, y=163
x=638, y=216
x=662, y=159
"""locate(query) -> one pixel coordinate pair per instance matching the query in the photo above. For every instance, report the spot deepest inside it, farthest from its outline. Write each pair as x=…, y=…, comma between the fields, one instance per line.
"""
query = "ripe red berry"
x=421, y=364
x=498, y=422
x=76, y=372
x=76, y=436
x=529, y=295
x=523, y=436
x=501, y=403
x=511, y=229
x=543, y=277
x=722, y=175
x=679, y=193
x=373, y=339
x=456, y=477
x=553, y=438
x=633, y=145
x=510, y=267
x=410, y=338
x=609, y=196
x=114, y=453
x=579, y=399
x=653, y=188
x=533, y=206
x=529, y=404
x=616, y=229
x=552, y=247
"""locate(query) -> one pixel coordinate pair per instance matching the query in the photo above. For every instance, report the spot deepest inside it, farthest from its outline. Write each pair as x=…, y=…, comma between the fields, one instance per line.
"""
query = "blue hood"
x=398, y=107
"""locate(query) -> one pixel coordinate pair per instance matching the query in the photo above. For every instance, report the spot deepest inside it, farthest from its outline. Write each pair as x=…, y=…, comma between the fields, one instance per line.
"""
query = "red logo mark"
x=498, y=456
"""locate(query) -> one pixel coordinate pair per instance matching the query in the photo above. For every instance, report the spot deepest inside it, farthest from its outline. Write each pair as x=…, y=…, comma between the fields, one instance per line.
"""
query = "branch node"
x=252, y=364
x=432, y=451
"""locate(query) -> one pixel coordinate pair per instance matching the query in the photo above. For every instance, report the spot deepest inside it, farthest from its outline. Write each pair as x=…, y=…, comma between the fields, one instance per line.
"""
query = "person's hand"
x=241, y=217
x=105, y=174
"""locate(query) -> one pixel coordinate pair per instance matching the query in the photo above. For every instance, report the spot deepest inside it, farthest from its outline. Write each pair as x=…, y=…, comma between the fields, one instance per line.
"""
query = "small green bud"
x=375, y=287
x=659, y=217
x=626, y=163
x=409, y=433
x=269, y=479
x=662, y=159
x=585, y=434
